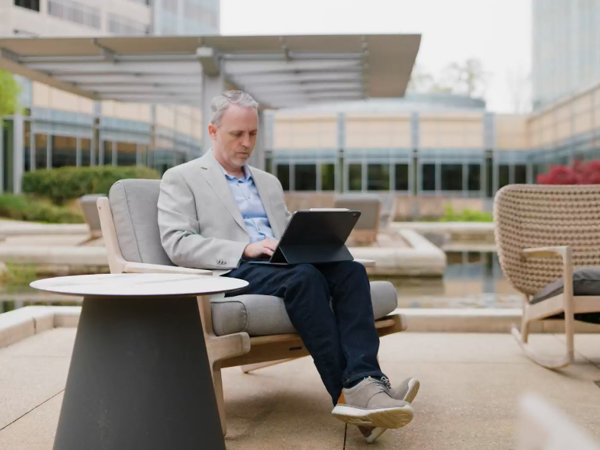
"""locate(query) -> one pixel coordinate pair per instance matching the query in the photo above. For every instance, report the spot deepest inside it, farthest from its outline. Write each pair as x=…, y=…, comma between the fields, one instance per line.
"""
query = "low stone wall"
x=406, y=207
x=420, y=258
x=25, y=322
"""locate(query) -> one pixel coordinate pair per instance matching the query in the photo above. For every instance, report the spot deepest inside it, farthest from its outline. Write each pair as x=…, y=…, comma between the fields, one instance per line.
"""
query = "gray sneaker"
x=407, y=391
x=370, y=403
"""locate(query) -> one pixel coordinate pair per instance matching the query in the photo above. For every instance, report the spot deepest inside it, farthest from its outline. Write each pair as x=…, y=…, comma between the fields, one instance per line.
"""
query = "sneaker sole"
x=384, y=418
x=413, y=390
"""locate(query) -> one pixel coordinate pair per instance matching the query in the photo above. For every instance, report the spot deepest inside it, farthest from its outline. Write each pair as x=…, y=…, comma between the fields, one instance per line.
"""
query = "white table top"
x=139, y=285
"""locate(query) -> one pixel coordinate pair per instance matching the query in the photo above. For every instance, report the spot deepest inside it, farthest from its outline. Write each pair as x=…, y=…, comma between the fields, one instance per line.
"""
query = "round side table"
x=139, y=375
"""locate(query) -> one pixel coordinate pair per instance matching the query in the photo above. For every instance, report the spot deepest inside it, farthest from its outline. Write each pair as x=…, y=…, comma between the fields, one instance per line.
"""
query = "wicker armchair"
x=543, y=233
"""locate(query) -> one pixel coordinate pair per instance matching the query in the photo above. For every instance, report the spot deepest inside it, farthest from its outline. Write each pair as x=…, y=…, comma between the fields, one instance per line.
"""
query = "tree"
x=467, y=78
x=9, y=94
x=421, y=81
x=519, y=88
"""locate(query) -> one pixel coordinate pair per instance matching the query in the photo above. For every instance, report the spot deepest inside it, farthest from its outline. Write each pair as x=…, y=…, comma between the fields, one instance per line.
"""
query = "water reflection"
x=471, y=280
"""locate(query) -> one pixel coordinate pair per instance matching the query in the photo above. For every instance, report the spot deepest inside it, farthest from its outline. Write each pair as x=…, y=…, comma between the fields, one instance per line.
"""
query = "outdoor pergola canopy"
x=279, y=71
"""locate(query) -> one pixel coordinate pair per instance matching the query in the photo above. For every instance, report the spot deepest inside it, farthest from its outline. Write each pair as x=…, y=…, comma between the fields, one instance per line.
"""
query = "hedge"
x=68, y=183
x=466, y=215
x=21, y=207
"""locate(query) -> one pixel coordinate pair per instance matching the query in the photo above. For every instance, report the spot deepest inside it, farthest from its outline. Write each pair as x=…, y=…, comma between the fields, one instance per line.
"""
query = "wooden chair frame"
x=565, y=303
x=238, y=349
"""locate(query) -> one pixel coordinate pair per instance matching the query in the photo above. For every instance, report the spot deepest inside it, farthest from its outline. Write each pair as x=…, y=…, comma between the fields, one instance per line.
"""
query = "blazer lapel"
x=213, y=174
x=263, y=191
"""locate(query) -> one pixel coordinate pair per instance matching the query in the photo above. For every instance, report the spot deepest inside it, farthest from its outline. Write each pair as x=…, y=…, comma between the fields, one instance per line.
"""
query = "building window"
x=378, y=177
x=125, y=27
x=328, y=177
x=64, y=151
x=74, y=12
x=428, y=177
x=452, y=177
x=283, y=173
x=41, y=146
x=503, y=175
x=355, y=177
x=520, y=174
x=401, y=177
x=474, y=177
x=305, y=177
x=127, y=155
x=86, y=151
x=33, y=5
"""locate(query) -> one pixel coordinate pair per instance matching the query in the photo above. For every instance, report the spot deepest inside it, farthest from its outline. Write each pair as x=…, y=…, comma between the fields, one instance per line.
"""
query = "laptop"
x=315, y=236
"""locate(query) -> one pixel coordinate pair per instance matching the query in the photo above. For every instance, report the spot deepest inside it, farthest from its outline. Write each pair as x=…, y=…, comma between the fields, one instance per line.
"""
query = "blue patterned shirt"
x=251, y=207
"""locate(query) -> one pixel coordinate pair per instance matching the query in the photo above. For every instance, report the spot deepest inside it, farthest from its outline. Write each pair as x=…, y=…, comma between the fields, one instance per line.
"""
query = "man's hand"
x=261, y=248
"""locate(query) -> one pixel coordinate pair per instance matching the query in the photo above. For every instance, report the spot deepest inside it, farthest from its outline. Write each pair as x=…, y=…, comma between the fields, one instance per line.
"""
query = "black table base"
x=139, y=379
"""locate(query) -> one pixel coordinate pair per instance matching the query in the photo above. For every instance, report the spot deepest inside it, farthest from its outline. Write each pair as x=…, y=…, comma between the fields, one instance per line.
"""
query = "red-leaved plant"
x=578, y=173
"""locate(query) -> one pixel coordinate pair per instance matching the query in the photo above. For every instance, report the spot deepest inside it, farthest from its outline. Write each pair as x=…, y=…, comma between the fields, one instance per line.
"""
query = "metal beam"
x=100, y=68
x=144, y=89
x=327, y=87
x=132, y=79
x=242, y=67
x=301, y=77
x=9, y=62
x=209, y=59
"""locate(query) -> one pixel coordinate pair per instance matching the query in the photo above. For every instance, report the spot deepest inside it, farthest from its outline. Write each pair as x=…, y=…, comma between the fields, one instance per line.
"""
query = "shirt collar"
x=247, y=174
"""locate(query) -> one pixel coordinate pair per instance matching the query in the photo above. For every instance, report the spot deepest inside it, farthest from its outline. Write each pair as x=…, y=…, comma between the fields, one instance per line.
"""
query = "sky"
x=498, y=32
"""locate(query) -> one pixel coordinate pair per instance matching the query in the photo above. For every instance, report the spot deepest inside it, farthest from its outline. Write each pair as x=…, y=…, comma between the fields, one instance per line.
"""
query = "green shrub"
x=466, y=215
x=21, y=207
x=18, y=274
x=68, y=183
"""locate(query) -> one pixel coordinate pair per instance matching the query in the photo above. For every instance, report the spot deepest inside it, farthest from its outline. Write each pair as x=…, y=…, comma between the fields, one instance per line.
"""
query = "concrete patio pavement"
x=471, y=384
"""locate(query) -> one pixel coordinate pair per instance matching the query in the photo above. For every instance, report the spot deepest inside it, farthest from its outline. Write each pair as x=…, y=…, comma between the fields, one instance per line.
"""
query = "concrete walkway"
x=471, y=384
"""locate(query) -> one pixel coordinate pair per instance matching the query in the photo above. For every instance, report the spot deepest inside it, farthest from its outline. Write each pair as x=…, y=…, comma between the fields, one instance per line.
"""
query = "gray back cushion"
x=135, y=213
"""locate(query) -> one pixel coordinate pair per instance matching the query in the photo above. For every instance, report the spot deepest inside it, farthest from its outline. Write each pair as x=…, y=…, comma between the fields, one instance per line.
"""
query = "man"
x=216, y=212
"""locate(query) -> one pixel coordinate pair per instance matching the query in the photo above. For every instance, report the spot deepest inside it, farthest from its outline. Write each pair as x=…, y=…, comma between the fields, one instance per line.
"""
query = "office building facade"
x=62, y=129
x=566, y=40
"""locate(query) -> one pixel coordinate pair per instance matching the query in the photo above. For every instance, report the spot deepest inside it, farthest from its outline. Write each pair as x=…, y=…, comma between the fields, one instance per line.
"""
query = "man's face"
x=235, y=137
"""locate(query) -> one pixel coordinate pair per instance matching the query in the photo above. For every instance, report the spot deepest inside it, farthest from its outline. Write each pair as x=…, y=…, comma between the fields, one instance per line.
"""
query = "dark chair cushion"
x=586, y=281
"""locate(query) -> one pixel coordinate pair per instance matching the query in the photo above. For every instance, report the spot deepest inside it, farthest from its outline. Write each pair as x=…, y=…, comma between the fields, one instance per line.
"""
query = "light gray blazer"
x=199, y=220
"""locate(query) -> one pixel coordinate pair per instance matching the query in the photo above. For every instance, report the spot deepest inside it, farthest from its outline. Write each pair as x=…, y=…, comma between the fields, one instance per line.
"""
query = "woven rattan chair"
x=543, y=234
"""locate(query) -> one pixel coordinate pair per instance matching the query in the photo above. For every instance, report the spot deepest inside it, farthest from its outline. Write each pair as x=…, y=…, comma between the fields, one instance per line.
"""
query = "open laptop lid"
x=316, y=236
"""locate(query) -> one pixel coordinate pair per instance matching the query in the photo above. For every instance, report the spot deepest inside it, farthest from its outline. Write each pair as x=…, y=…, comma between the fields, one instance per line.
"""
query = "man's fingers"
x=268, y=251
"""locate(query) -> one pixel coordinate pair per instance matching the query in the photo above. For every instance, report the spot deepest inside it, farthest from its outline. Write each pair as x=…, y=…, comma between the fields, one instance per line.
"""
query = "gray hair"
x=221, y=102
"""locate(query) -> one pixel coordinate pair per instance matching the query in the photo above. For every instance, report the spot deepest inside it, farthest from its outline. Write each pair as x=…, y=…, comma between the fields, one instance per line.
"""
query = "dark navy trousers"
x=330, y=307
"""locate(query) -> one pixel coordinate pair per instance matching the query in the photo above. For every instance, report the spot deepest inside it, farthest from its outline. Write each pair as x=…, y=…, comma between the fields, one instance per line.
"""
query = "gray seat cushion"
x=586, y=282
x=135, y=214
x=261, y=315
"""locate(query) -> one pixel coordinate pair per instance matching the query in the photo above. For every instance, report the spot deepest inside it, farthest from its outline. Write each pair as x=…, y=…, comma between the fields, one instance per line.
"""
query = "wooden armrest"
x=366, y=262
x=546, y=252
x=134, y=267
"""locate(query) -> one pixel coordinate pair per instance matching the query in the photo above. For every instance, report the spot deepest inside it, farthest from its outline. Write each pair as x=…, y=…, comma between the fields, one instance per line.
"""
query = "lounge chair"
x=548, y=240
x=87, y=204
x=367, y=227
x=251, y=331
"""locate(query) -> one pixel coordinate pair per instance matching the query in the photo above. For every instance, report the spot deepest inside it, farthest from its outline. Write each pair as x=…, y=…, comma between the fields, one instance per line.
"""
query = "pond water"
x=471, y=280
